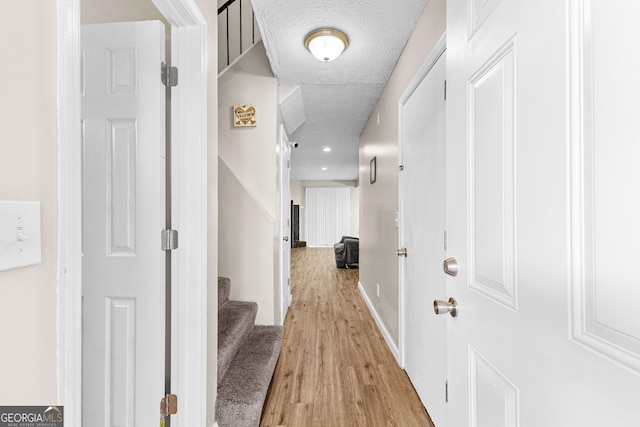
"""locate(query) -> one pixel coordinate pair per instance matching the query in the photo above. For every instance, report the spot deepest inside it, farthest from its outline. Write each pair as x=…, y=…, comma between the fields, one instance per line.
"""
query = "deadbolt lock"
x=450, y=266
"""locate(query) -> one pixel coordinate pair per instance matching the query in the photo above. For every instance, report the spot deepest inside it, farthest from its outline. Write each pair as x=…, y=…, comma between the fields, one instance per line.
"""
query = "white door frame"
x=285, y=200
x=426, y=66
x=189, y=169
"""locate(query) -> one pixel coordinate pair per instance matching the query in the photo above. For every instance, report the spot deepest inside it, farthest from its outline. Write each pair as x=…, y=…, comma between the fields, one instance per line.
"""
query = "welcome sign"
x=31, y=416
x=244, y=115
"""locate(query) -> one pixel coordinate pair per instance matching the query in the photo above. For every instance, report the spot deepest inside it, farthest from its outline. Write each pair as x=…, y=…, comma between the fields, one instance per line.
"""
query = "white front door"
x=422, y=226
x=285, y=223
x=542, y=212
x=123, y=115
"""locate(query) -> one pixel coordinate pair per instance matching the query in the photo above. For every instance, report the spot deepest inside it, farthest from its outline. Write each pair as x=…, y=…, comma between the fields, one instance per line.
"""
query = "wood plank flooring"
x=335, y=368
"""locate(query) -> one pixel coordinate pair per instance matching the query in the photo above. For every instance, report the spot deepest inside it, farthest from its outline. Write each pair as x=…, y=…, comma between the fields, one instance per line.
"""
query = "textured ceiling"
x=331, y=102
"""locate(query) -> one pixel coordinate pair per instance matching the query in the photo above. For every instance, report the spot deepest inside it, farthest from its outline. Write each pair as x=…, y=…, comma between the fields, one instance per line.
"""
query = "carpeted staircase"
x=247, y=356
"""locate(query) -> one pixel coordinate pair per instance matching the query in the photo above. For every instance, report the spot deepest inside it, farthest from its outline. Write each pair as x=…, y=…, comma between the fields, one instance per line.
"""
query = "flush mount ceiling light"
x=326, y=44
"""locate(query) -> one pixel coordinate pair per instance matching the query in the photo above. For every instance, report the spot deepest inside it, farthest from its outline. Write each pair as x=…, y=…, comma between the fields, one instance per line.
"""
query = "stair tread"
x=242, y=391
x=235, y=322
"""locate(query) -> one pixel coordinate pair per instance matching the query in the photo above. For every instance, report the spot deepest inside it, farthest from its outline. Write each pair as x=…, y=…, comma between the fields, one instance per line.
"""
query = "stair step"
x=243, y=389
x=235, y=321
x=224, y=288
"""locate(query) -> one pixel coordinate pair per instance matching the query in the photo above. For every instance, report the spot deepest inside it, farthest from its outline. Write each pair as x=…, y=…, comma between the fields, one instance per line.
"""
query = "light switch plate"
x=20, y=241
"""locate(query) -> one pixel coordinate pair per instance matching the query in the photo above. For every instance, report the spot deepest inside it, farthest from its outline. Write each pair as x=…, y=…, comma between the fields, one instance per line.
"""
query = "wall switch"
x=20, y=241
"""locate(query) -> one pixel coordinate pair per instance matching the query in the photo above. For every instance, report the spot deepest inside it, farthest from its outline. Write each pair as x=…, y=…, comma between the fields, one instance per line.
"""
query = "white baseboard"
x=383, y=329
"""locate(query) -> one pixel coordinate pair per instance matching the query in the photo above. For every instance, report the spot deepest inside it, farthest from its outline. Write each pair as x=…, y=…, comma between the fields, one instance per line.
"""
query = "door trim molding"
x=69, y=317
x=189, y=41
x=422, y=72
x=190, y=217
x=284, y=294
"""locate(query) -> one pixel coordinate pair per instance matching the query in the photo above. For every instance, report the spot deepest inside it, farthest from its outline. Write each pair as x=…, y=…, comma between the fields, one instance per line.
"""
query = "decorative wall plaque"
x=244, y=115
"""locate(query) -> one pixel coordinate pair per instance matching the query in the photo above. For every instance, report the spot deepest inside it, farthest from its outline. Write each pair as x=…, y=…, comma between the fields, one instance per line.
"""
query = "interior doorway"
x=422, y=233
x=286, y=235
x=189, y=36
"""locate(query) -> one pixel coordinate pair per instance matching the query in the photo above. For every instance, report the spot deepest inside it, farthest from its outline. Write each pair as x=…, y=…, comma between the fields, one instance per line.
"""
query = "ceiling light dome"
x=326, y=44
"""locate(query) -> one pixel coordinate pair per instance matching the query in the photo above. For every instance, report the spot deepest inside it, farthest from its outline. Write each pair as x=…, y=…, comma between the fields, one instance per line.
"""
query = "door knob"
x=444, y=307
x=450, y=266
x=402, y=252
x=285, y=238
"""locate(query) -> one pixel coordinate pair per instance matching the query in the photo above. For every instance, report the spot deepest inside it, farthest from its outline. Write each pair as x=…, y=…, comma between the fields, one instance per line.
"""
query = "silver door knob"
x=285, y=238
x=450, y=266
x=402, y=252
x=444, y=307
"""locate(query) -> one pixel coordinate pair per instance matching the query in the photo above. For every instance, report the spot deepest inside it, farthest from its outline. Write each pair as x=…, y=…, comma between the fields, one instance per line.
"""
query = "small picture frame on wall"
x=372, y=170
x=244, y=115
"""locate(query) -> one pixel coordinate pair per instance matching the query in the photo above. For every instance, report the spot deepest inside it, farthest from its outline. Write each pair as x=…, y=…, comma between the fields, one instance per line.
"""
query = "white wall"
x=28, y=172
x=248, y=196
x=379, y=201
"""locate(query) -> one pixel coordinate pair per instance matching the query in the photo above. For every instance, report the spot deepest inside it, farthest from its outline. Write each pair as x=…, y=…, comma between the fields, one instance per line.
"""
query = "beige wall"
x=354, y=206
x=102, y=11
x=28, y=172
x=297, y=192
x=297, y=195
x=248, y=196
x=379, y=201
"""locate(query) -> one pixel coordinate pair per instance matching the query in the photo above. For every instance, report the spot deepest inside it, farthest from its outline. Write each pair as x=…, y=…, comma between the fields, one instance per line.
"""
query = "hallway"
x=335, y=368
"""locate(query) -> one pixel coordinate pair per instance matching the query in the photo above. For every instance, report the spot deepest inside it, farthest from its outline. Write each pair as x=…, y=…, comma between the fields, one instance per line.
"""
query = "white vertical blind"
x=327, y=212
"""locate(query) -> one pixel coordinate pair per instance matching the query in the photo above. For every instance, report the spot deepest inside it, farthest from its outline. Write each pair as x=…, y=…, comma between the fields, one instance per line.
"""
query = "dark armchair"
x=347, y=252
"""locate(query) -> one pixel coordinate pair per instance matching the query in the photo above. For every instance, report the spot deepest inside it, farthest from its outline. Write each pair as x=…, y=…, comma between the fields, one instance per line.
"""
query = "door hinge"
x=445, y=90
x=446, y=391
x=445, y=240
x=169, y=240
x=169, y=75
x=401, y=168
x=169, y=405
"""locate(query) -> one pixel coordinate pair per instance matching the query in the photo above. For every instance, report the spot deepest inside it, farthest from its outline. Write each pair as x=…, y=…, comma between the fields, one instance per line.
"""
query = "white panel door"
x=123, y=108
x=605, y=175
x=285, y=220
x=422, y=225
x=542, y=213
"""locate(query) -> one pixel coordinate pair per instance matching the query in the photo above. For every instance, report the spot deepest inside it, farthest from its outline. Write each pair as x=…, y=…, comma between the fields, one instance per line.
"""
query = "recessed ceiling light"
x=326, y=149
x=324, y=169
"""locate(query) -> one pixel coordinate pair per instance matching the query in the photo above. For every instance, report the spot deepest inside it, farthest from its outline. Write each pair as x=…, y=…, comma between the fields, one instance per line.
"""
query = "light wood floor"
x=335, y=368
